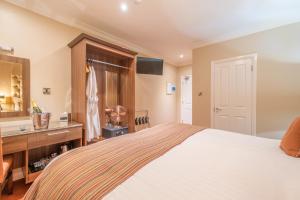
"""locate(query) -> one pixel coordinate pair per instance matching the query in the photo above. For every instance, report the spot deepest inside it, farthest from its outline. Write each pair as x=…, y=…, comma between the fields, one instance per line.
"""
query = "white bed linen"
x=216, y=165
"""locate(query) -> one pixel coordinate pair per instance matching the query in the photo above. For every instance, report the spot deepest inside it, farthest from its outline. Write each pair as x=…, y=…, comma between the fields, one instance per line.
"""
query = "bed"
x=173, y=161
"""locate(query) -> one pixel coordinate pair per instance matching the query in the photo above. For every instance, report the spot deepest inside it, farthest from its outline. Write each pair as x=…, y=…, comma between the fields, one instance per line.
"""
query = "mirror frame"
x=26, y=86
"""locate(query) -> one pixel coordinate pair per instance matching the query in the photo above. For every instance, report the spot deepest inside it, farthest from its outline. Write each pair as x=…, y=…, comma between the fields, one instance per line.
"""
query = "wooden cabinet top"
x=55, y=125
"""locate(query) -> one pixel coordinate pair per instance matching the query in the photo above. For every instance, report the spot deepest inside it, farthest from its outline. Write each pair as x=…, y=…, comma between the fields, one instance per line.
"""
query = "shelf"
x=32, y=176
x=42, y=144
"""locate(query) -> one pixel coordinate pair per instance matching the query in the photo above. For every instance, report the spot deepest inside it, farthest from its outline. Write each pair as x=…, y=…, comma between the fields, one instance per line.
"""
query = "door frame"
x=253, y=57
x=181, y=78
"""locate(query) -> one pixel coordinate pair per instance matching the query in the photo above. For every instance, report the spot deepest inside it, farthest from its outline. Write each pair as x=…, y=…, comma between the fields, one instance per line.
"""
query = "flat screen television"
x=152, y=66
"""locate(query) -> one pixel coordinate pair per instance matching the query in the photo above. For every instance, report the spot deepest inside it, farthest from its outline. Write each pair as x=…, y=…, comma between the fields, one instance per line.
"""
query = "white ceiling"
x=168, y=28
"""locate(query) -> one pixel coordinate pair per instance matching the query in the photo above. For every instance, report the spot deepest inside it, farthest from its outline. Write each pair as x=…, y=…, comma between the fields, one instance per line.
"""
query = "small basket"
x=40, y=120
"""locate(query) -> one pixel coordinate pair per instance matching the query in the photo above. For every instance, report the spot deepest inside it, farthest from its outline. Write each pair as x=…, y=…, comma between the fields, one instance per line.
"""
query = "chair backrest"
x=142, y=120
x=1, y=160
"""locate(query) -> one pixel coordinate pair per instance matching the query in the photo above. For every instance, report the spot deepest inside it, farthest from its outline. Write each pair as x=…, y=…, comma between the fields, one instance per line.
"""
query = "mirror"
x=11, y=90
x=14, y=86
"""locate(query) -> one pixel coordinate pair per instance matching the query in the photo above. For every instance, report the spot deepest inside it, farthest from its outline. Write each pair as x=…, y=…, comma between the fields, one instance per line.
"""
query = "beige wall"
x=278, y=82
x=151, y=94
x=181, y=71
x=44, y=42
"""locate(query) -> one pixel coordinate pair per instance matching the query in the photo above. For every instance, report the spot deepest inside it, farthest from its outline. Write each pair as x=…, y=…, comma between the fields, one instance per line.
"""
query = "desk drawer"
x=53, y=137
x=14, y=144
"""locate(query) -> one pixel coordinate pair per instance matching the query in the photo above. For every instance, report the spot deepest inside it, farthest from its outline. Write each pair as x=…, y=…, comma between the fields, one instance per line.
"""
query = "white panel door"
x=186, y=99
x=233, y=95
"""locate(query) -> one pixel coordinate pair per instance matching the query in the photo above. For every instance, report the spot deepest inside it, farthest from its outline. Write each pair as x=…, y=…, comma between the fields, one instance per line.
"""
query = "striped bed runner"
x=91, y=172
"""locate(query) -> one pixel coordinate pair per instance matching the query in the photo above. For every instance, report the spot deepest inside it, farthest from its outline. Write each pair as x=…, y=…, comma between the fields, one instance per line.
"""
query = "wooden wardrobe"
x=112, y=64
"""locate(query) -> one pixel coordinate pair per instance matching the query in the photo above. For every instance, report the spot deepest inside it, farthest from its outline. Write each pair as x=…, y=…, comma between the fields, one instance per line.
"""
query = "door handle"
x=58, y=133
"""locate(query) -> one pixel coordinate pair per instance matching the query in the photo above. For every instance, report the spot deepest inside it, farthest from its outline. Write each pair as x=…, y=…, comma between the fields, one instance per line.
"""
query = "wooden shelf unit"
x=43, y=144
x=86, y=47
x=45, y=151
x=31, y=177
x=32, y=146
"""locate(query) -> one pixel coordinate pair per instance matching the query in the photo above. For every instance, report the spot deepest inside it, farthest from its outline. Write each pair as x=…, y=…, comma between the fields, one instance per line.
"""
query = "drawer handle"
x=58, y=133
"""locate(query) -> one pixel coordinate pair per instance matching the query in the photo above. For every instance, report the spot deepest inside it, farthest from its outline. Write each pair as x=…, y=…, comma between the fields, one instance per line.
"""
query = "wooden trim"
x=26, y=85
x=78, y=82
x=83, y=36
x=131, y=98
x=14, y=144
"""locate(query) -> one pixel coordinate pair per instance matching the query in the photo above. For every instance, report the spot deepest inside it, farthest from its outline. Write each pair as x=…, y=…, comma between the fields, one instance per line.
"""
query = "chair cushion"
x=7, y=165
x=290, y=143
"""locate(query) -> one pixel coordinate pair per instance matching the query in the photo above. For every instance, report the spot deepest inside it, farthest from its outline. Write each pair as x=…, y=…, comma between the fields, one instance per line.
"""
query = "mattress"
x=216, y=165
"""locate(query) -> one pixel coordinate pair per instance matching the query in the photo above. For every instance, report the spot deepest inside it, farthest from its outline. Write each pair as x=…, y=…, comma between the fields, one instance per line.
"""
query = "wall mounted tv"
x=149, y=66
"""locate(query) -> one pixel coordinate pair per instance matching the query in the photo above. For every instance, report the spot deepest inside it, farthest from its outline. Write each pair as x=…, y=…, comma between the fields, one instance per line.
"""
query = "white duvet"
x=216, y=165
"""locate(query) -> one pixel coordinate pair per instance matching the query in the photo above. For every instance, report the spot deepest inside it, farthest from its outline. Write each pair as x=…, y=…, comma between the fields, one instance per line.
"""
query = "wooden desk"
x=35, y=144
